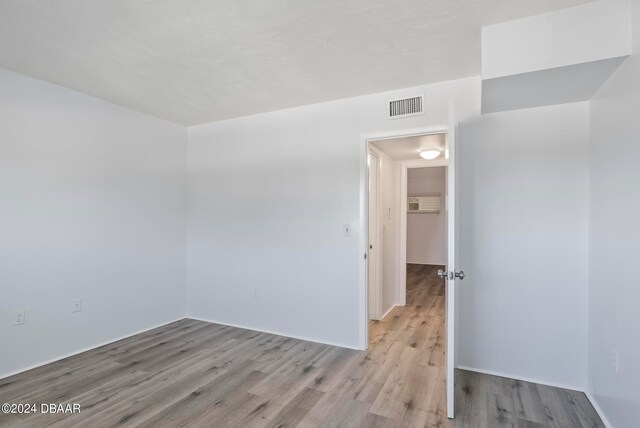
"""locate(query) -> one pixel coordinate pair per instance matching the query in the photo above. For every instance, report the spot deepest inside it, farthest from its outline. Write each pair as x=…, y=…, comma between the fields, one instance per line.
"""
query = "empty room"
x=370, y=213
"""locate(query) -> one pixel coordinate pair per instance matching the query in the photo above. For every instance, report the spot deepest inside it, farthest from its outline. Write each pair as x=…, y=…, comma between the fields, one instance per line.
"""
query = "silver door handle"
x=450, y=275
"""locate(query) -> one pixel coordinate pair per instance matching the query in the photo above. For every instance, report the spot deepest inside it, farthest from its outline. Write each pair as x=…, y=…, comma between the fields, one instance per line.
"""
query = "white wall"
x=91, y=207
x=427, y=233
x=590, y=32
x=614, y=241
x=559, y=57
x=523, y=181
x=272, y=257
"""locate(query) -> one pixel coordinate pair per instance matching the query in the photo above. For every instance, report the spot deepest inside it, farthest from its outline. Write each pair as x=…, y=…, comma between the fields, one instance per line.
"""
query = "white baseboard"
x=523, y=378
x=387, y=313
x=71, y=354
x=596, y=406
x=426, y=264
x=277, y=333
x=89, y=348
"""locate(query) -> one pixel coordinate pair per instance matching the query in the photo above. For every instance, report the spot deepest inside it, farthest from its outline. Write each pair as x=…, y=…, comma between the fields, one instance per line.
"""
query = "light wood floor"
x=196, y=374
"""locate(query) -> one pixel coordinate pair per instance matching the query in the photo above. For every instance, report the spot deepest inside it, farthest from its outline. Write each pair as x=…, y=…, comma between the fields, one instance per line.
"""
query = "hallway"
x=409, y=345
x=408, y=348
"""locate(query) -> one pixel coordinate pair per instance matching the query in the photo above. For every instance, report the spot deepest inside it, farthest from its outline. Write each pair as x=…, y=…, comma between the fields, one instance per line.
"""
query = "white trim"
x=376, y=296
x=425, y=264
x=425, y=163
x=53, y=360
x=401, y=133
x=362, y=217
x=598, y=409
x=388, y=311
x=277, y=333
x=522, y=378
x=363, y=316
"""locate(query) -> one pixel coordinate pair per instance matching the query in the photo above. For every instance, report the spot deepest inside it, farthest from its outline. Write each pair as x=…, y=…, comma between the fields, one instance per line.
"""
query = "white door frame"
x=374, y=285
x=401, y=281
x=363, y=217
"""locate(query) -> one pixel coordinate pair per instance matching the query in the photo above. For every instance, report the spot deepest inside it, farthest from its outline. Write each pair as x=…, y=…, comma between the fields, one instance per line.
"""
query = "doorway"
x=426, y=236
x=392, y=314
x=406, y=213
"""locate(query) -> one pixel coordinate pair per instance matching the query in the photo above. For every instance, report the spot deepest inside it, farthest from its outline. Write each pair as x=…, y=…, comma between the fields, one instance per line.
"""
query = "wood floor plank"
x=142, y=397
x=471, y=401
x=196, y=374
x=585, y=411
x=500, y=411
x=197, y=401
x=528, y=403
x=560, y=411
x=295, y=411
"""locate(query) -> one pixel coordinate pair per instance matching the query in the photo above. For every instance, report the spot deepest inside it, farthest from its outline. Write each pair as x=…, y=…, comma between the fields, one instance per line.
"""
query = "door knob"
x=450, y=275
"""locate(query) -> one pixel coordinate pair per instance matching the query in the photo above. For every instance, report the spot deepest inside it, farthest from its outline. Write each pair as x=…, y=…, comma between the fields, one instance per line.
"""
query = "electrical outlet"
x=19, y=317
x=615, y=360
x=77, y=305
x=346, y=230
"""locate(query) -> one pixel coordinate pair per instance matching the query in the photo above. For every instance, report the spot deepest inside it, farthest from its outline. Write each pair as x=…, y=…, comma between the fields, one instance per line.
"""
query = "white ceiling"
x=195, y=61
x=408, y=148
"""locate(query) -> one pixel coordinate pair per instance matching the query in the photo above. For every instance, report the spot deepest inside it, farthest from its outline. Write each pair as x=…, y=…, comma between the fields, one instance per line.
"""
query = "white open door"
x=452, y=276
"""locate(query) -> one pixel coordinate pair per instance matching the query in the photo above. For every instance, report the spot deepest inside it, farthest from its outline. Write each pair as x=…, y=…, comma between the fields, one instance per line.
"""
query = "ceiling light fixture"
x=430, y=154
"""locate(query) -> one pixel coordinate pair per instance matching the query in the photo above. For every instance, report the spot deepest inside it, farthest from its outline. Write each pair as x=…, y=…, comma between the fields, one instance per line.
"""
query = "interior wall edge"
x=93, y=210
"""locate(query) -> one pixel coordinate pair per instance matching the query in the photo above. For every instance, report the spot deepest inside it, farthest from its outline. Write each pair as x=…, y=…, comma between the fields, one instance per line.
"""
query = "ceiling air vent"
x=406, y=107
